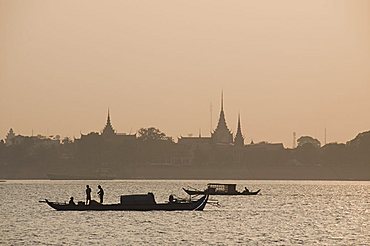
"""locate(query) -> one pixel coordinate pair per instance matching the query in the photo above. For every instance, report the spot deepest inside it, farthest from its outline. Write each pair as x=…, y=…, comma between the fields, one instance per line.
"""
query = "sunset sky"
x=286, y=66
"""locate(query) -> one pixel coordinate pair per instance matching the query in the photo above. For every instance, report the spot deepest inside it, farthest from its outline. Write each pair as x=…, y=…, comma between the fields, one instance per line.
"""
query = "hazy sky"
x=285, y=65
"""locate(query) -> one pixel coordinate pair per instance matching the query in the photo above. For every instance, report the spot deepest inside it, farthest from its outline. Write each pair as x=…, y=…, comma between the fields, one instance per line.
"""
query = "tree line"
x=153, y=152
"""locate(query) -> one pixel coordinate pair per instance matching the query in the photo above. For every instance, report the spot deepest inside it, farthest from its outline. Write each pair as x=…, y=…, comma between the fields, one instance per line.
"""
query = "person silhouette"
x=71, y=202
x=88, y=195
x=172, y=199
x=101, y=193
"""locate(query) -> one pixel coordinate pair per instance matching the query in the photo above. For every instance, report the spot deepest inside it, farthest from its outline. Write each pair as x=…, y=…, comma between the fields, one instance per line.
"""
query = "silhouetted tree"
x=359, y=147
x=308, y=140
x=154, y=145
x=152, y=134
x=66, y=140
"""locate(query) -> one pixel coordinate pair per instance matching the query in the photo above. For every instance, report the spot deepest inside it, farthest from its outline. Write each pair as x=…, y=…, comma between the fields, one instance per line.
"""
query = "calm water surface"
x=285, y=213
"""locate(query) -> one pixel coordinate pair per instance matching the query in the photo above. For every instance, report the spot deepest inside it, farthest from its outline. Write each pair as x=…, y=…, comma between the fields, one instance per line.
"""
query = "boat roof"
x=213, y=184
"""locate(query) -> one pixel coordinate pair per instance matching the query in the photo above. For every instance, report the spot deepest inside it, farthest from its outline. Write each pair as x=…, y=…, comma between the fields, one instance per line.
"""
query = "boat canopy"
x=222, y=187
x=138, y=199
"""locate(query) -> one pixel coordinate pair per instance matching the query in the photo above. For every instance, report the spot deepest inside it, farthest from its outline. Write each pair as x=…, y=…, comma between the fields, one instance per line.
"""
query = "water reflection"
x=286, y=213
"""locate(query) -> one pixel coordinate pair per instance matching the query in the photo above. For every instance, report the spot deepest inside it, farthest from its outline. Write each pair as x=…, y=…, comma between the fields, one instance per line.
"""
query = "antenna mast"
x=210, y=110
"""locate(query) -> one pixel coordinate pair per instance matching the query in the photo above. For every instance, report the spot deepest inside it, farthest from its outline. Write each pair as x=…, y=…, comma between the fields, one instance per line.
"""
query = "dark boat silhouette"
x=221, y=189
x=134, y=203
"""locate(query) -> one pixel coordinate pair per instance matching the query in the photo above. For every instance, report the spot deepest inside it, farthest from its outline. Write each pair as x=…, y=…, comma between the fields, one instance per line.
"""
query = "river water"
x=285, y=213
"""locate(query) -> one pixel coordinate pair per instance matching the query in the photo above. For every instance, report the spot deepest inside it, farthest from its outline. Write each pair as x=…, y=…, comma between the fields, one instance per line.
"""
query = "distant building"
x=108, y=130
x=220, y=136
x=264, y=146
x=109, y=134
x=39, y=140
x=191, y=140
x=10, y=138
x=199, y=149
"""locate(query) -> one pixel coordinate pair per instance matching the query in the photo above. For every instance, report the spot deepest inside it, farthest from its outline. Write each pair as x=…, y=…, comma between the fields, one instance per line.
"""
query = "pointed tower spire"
x=239, y=139
x=239, y=121
x=108, y=118
x=222, y=100
x=108, y=129
x=222, y=134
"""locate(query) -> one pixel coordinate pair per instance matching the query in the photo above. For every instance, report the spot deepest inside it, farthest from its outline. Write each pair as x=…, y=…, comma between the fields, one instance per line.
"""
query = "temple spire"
x=108, y=118
x=239, y=128
x=239, y=139
x=222, y=100
x=222, y=134
x=108, y=129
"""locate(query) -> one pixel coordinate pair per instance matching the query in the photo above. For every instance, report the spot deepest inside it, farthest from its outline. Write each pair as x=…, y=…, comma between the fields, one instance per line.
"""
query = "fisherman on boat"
x=101, y=193
x=135, y=202
x=88, y=195
x=246, y=190
x=71, y=202
x=172, y=199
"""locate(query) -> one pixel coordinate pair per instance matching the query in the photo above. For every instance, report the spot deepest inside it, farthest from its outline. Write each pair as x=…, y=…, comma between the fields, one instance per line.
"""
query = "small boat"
x=221, y=189
x=145, y=202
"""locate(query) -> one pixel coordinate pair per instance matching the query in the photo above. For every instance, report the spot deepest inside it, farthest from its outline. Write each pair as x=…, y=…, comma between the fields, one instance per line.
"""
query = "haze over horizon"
x=284, y=65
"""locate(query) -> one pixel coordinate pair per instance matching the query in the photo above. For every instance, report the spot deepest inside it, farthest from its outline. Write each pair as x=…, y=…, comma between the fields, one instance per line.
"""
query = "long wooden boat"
x=135, y=203
x=221, y=189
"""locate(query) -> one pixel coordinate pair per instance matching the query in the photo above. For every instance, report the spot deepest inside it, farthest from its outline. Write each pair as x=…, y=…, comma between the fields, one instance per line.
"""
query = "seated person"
x=246, y=190
x=71, y=202
x=172, y=199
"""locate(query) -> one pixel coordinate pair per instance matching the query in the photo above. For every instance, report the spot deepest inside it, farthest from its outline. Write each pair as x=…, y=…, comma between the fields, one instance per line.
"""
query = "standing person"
x=101, y=193
x=88, y=195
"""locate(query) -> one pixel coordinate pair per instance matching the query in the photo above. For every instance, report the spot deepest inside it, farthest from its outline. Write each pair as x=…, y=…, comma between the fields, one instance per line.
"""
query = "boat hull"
x=171, y=206
x=199, y=192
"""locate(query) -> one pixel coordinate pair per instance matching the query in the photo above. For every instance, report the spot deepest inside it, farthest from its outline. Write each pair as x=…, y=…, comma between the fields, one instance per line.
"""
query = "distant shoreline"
x=189, y=179
x=204, y=172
